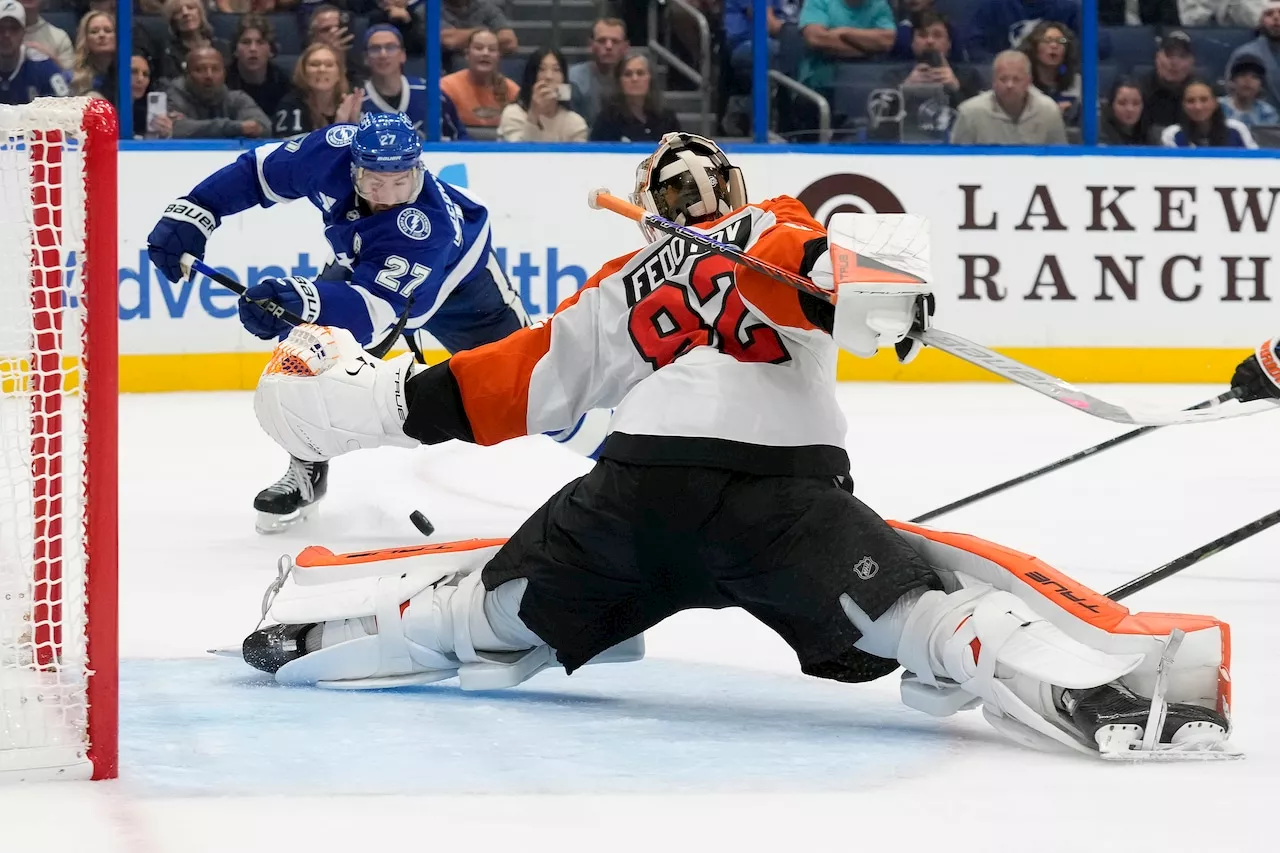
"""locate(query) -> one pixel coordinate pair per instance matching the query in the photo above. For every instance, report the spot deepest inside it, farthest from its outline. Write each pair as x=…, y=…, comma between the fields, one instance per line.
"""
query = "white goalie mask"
x=688, y=180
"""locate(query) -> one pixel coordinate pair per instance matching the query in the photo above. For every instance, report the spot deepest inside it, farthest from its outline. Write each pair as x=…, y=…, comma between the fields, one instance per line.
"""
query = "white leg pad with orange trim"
x=1014, y=633
x=411, y=616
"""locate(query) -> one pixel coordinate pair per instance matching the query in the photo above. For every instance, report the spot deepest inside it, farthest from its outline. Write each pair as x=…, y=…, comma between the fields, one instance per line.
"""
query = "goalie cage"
x=58, y=328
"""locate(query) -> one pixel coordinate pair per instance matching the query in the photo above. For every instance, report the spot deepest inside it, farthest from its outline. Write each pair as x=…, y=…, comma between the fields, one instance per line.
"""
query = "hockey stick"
x=976, y=354
x=192, y=264
x=1061, y=463
x=1192, y=557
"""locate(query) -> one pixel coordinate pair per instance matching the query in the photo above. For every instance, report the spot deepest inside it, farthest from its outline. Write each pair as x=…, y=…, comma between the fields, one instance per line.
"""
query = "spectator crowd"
x=1179, y=73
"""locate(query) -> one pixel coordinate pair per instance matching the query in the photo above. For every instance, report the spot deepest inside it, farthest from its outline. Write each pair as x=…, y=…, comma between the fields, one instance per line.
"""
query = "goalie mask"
x=384, y=160
x=688, y=180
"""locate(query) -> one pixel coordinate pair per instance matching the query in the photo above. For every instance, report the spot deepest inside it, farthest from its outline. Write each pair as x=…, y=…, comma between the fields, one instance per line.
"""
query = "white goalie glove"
x=321, y=395
x=878, y=266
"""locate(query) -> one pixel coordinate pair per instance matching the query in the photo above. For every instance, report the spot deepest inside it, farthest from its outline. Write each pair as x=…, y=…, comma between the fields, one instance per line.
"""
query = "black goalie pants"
x=620, y=549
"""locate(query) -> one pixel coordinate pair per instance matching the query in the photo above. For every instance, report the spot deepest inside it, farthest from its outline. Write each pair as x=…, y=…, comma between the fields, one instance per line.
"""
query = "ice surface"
x=713, y=742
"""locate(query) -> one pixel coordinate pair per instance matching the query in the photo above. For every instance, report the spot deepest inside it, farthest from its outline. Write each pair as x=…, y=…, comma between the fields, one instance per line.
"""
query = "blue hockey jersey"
x=425, y=251
x=37, y=76
x=412, y=101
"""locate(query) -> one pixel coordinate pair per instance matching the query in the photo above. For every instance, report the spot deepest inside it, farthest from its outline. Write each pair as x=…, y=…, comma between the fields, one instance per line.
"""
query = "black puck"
x=420, y=521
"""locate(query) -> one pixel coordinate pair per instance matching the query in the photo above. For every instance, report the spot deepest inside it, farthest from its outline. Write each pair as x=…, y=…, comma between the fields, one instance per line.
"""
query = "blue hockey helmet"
x=386, y=142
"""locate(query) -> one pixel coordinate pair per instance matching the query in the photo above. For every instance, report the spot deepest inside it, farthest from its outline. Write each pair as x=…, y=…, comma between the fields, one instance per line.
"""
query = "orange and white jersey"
x=707, y=363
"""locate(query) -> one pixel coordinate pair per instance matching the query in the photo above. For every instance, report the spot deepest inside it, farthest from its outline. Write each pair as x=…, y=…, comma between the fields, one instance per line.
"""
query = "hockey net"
x=58, y=320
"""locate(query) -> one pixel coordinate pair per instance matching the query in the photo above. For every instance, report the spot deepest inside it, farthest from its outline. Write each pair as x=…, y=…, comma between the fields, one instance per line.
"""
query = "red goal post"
x=58, y=477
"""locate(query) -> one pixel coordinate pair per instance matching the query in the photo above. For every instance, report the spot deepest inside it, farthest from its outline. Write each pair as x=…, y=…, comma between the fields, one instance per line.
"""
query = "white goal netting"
x=44, y=385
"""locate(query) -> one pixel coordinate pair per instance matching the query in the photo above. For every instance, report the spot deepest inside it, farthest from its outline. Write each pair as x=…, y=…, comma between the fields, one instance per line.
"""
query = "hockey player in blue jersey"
x=404, y=243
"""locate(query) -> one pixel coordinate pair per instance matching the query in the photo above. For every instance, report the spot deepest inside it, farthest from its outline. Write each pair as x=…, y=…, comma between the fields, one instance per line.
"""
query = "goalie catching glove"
x=321, y=395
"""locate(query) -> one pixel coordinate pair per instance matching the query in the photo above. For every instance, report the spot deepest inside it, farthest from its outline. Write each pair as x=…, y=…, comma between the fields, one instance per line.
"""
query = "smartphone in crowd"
x=157, y=105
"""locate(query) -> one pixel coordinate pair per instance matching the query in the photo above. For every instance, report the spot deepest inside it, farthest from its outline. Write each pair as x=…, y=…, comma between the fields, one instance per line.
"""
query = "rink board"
x=1096, y=268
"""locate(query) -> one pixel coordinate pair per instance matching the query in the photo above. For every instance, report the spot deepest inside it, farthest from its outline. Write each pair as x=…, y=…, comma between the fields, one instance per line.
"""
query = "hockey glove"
x=184, y=228
x=909, y=347
x=1258, y=376
x=321, y=395
x=295, y=293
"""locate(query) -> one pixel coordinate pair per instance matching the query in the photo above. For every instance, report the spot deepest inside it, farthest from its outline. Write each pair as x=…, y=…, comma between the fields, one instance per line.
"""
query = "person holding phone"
x=151, y=116
x=930, y=45
x=541, y=112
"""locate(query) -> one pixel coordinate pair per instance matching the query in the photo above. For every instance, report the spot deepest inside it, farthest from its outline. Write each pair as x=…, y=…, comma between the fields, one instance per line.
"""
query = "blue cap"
x=385, y=142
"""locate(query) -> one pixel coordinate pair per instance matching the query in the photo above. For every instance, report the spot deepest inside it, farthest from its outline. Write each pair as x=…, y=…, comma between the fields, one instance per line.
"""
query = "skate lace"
x=296, y=478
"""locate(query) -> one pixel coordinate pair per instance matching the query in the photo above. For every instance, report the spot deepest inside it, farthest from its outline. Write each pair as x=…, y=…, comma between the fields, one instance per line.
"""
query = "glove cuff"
x=1269, y=360
x=186, y=210
x=310, y=296
x=393, y=400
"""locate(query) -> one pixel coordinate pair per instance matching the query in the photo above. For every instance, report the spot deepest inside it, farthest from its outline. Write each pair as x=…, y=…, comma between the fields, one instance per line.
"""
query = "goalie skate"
x=1127, y=727
x=293, y=497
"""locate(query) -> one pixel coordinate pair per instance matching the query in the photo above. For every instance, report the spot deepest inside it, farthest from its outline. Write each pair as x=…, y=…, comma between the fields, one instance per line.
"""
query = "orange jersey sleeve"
x=494, y=379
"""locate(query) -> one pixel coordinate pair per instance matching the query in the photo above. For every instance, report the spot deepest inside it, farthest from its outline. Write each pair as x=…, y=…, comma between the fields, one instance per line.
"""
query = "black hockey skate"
x=270, y=648
x=293, y=497
x=1115, y=719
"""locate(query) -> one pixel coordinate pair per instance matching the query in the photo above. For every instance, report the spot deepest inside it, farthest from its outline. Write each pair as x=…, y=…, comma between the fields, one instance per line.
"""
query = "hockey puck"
x=420, y=521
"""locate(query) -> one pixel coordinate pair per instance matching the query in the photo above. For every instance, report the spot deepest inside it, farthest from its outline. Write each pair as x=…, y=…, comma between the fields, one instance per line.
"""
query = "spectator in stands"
x=26, y=73
x=782, y=25
x=451, y=127
x=161, y=126
x=1121, y=115
x=461, y=19
x=1001, y=24
x=331, y=26
x=1202, y=123
x=634, y=113
x=836, y=30
x=1013, y=112
x=931, y=47
x=189, y=28
x=210, y=110
x=1162, y=88
x=409, y=18
x=593, y=80
x=480, y=91
x=94, y=68
x=320, y=96
x=1054, y=52
x=1265, y=49
x=252, y=70
x=541, y=112
x=388, y=90
x=242, y=7
x=1118, y=13
x=1243, y=103
x=1220, y=13
x=44, y=35
x=903, y=49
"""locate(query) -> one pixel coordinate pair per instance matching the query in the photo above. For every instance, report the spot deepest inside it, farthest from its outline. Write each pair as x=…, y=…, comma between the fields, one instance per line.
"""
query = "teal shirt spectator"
x=817, y=70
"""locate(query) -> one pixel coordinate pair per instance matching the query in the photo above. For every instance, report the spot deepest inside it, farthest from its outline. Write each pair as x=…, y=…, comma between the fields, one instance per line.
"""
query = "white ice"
x=715, y=741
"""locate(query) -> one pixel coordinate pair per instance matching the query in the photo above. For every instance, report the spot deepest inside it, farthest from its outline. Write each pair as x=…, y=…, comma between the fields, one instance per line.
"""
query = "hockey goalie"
x=724, y=482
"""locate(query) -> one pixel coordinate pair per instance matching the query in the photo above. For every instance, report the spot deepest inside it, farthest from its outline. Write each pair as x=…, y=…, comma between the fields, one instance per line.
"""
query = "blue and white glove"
x=295, y=293
x=184, y=228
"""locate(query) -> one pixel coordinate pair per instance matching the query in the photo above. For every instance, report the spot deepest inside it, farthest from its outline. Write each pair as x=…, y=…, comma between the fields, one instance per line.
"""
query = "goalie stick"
x=1061, y=463
x=976, y=354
